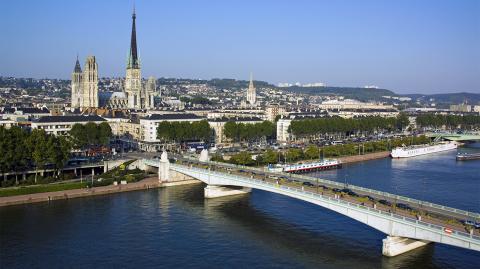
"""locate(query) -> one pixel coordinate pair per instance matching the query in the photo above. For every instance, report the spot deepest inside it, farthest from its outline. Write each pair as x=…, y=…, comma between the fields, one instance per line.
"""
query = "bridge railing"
x=424, y=225
x=352, y=187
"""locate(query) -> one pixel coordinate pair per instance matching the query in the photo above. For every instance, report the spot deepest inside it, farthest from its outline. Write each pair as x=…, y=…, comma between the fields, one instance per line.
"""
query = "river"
x=177, y=228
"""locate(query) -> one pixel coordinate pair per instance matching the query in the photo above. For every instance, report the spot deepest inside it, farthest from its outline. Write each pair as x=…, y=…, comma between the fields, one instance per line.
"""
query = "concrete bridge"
x=454, y=136
x=404, y=232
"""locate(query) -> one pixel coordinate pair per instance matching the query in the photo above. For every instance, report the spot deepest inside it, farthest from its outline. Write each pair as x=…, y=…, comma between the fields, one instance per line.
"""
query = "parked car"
x=404, y=206
x=385, y=202
x=309, y=184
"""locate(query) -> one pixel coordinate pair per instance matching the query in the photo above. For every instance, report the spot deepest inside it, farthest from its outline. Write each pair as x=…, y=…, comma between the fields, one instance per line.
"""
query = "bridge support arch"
x=214, y=191
x=396, y=245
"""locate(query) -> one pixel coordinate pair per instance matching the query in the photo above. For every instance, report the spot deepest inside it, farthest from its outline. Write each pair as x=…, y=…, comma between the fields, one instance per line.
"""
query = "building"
x=134, y=94
x=274, y=110
x=61, y=125
x=282, y=130
x=251, y=93
x=476, y=109
x=148, y=137
x=352, y=104
x=218, y=125
x=461, y=108
x=7, y=124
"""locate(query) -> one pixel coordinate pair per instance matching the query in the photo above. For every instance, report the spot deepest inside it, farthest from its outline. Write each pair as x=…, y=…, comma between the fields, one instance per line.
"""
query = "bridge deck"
x=402, y=222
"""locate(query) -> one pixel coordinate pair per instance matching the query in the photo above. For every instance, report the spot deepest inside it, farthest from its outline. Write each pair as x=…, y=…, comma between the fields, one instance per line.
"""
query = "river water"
x=177, y=228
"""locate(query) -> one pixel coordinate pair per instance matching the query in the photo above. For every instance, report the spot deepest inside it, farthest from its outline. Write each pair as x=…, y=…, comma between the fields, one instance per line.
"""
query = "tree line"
x=449, y=121
x=90, y=134
x=346, y=127
x=184, y=131
x=21, y=150
x=243, y=132
x=313, y=152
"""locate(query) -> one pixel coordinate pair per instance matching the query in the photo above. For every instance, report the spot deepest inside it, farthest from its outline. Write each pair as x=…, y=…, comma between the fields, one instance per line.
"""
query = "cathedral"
x=134, y=95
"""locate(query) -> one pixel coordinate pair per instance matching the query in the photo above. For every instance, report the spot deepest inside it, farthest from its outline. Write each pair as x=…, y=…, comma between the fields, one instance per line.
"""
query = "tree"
x=242, y=158
x=312, y=152
x=37, y=144
x=270, y=157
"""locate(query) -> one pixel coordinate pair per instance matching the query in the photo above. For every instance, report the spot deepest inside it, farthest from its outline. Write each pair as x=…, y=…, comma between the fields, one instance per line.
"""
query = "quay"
x=145, y=184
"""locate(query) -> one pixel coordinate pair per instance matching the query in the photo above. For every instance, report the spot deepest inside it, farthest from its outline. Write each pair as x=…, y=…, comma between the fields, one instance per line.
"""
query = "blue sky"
x=427, y=46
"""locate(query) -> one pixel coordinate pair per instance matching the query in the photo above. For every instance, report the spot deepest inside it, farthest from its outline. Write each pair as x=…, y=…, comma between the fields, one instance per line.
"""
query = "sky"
x=408, y=46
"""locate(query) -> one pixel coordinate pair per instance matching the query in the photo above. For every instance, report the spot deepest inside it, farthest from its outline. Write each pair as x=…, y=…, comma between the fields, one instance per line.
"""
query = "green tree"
x=270, y=157
x=312, y=152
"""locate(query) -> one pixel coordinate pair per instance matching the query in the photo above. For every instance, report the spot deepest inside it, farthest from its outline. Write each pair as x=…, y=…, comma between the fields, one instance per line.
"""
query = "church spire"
x=250, y=86
x=132, y=56
x=77, y=68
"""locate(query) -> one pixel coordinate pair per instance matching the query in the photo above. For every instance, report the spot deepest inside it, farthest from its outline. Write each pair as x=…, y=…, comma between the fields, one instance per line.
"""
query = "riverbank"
x=365, y=157
x=145, y=184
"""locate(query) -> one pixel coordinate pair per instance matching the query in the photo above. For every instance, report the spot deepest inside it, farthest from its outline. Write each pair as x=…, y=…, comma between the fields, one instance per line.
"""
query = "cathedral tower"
x=90, y=84
x=133, y=78
x=150, y=91
x=76, y=85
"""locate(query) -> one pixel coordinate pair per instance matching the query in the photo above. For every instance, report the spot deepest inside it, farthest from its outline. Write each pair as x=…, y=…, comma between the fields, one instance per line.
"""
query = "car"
x=336, y=190
x=350, y=192
x=385, y=202
x=477, y=225
x=309, y=184
x=468, y=222
x=404, y=206
x=370, y=198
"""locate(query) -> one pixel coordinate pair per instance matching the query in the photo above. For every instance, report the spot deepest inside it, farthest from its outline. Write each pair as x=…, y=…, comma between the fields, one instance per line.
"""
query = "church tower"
x=90, y=84
x=133, y=78
x=251, y=93
x=150, y=91
x=76, y=85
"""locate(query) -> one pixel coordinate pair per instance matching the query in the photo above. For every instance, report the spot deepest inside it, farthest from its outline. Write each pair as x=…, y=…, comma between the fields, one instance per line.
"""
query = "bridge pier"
x=396, y=245
x=213, y=191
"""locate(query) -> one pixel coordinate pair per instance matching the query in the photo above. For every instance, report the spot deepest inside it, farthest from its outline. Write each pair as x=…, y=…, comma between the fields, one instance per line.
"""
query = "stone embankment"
x=145, y=184
x=365, y=157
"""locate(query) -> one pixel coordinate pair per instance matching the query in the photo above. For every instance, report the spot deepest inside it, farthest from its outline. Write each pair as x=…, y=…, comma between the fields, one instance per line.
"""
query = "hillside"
x=363, y=94
x=449, y=98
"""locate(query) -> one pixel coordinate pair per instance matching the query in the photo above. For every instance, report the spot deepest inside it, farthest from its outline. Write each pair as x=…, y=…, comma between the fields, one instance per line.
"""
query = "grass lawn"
x=41, y=188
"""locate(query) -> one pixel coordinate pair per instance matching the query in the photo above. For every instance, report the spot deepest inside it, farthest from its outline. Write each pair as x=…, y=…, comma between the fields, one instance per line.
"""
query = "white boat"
x=306, y=167
x=412, y=151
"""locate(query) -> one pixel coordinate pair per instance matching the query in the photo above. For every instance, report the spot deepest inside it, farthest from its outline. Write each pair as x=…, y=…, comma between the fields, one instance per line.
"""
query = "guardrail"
x=421, y=224
x=352, y=187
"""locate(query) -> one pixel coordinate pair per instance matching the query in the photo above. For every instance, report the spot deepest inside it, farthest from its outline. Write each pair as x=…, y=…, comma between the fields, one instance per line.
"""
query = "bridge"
x=406, y=229
x=454, y=136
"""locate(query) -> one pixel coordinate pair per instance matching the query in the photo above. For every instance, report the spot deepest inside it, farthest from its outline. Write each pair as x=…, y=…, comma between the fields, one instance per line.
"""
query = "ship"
x=468, y=156
x=412, y=151
x=306, y=167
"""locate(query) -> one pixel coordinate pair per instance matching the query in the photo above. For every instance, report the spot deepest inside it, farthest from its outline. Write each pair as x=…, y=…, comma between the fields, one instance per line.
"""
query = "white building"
x=352, y=104
x=282, y=130
x=219, y=124
x=149, y=127
x=61, y=125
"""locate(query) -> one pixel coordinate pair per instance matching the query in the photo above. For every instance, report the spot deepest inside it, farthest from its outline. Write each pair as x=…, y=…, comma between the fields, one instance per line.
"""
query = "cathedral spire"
x=132, y=56
x=77, y=68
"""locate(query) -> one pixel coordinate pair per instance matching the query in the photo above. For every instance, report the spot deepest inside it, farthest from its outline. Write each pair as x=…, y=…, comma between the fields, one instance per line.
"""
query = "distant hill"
x=226, y=83
x=363, y=94
x=449, y=98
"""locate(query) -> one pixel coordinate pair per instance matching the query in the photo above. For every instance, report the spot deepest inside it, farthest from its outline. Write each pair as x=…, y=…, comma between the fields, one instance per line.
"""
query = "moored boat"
x=306, y=167
x=411, y=151
x=468, y=156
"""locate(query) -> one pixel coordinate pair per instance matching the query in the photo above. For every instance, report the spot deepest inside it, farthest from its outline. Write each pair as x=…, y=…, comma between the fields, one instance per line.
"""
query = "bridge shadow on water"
x=311, y=236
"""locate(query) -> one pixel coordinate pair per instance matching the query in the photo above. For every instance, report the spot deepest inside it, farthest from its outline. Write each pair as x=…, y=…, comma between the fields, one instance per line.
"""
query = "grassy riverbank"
x=41, y=188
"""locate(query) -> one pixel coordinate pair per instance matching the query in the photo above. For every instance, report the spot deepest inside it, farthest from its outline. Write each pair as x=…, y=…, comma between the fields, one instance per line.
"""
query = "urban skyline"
x=266, y=43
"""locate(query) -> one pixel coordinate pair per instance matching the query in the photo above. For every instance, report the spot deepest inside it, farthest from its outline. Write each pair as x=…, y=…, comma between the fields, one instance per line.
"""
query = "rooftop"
x=75, y=118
